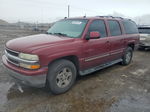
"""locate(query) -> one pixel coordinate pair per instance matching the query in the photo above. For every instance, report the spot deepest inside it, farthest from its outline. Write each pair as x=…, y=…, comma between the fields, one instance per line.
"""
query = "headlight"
x=28, y=57
x=142, y=38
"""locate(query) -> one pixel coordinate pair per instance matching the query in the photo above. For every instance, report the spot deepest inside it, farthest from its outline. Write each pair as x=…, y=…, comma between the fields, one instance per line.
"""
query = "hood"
x=29, y=43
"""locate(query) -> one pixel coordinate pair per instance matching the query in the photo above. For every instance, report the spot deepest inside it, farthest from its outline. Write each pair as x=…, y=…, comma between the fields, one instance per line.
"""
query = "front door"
x=96, y=51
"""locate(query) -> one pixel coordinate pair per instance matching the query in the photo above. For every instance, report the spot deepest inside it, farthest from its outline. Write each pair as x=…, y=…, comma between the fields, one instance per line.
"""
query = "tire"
x=141, y=48
x=127, y=57
x=61, y=76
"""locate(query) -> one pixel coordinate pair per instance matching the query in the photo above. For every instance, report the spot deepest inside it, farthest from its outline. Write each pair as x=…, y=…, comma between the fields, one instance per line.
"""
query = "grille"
x=13, y=61
x=9, y=53
x=14, y=53
x=13, y=58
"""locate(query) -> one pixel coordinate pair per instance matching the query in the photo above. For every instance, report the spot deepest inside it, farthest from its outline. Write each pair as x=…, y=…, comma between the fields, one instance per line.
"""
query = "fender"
x=58, y=55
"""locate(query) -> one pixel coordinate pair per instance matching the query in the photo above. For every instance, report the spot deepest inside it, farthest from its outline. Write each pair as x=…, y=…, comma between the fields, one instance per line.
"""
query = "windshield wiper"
x=61, y=34
x=48, y=33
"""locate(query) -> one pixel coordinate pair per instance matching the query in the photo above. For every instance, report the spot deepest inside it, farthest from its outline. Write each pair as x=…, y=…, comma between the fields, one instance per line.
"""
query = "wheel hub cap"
x=128, y=57
x=64, y=78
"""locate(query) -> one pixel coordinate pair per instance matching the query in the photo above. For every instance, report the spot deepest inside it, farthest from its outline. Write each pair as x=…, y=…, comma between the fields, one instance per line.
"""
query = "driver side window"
x=99, y=26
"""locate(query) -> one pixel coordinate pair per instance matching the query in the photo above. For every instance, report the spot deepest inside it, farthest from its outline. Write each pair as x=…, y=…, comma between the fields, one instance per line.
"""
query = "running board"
x=91, y=70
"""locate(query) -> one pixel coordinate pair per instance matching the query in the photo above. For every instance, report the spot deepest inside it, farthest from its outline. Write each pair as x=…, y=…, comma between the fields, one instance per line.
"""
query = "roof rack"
x=119, y=17
x=105, y=16
x=110, y=17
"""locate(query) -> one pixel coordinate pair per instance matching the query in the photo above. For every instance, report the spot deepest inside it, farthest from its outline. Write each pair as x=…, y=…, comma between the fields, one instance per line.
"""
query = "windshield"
x=70, y=28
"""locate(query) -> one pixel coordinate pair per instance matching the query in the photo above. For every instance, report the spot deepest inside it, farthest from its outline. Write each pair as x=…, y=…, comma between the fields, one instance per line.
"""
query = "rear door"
x=96, y=51
x=116, y=40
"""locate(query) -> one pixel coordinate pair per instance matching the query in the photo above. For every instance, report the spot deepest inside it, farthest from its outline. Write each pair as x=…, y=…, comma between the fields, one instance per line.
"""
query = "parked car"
x=71, y=47
x=144, y=41
x=144, y=37
x=144, y=29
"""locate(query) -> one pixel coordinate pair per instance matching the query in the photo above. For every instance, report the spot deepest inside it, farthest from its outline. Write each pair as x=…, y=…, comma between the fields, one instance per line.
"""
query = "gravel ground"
x=114, y=89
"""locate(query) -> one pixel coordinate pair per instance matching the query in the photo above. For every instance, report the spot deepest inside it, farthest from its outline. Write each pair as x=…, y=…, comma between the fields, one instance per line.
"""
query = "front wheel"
x=127, y=57
x=61, y=76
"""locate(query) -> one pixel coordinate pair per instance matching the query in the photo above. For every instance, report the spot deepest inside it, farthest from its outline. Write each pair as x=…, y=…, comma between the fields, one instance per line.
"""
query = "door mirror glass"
x=94, y=35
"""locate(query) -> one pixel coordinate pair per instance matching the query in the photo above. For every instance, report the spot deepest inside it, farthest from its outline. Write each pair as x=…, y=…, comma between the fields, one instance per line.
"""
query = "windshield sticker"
x=76, y=22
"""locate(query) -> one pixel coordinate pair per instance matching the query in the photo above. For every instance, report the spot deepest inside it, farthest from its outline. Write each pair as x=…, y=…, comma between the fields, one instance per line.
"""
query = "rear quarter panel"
x=132, y=39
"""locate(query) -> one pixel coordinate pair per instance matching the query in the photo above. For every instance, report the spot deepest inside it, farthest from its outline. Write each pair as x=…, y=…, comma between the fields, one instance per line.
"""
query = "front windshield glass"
x=70, y=28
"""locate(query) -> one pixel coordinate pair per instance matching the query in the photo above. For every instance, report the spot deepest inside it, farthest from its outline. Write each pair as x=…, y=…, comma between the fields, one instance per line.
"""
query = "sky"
x=52, y=10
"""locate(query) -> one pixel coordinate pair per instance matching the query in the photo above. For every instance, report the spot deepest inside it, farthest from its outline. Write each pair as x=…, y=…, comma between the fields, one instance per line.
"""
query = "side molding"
x=91, y=70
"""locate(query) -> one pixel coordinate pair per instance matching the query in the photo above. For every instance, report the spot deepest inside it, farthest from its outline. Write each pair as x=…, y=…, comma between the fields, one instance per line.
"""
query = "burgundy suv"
x=71, y=47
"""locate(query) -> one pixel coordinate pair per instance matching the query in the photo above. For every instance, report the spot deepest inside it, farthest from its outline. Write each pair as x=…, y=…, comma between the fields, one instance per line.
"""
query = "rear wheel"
x=61, y=76
x=127, y=57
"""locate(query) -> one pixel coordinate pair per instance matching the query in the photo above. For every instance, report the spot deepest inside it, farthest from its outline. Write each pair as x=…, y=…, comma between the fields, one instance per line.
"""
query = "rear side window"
x=130, y=27
x=114, y=28
x=99, y=26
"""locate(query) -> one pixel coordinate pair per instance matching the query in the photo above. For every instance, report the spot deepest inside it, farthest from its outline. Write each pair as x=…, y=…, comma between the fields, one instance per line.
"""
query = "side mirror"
x=94, y=35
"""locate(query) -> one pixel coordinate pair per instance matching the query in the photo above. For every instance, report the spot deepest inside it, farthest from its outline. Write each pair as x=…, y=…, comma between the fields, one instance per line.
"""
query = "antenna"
x=68, y=11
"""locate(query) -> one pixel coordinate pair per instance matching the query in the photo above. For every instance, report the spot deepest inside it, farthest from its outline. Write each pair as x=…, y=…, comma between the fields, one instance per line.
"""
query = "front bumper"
x=146, y=45
x=36, y=78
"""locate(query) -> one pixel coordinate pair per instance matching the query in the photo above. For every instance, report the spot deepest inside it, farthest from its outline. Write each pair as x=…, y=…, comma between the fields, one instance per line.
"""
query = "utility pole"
x=68, y=11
